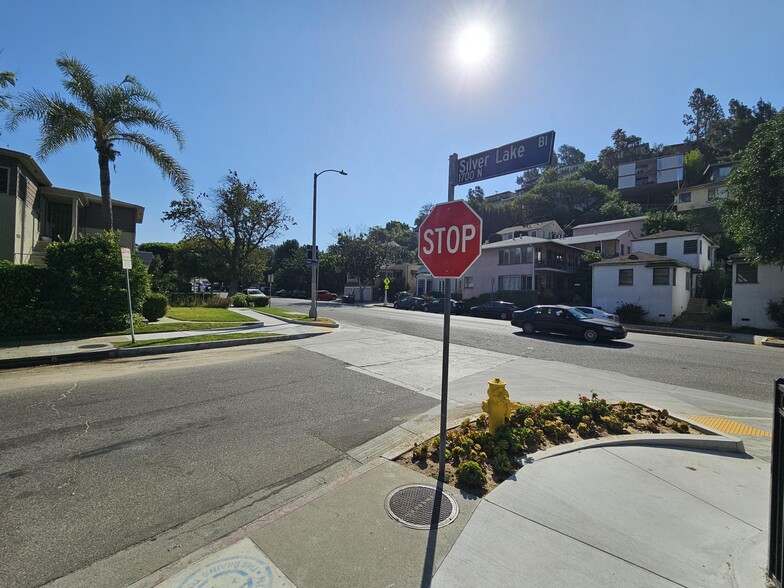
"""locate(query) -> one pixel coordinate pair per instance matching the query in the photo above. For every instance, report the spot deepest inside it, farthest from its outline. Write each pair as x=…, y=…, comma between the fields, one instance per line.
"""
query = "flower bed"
x=477, y=461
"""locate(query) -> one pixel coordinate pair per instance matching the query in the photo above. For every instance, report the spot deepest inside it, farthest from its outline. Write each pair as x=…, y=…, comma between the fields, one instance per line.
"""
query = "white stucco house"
x=543, y=230
x=634, y=224
x=659, y=284
x=752, y=288
x=607, y=244
x=692, y=249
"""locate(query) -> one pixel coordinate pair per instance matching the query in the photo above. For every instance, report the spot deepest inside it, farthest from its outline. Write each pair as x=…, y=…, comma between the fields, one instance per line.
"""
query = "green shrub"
x=240, y=300
x=195, y=299
x=217, y=302
x=471, y=474
x=630, y=312
x=260, y=302
x=775, y=311
x=155, y=306
x=502, y=464
x=614, y=425
x=721, y=311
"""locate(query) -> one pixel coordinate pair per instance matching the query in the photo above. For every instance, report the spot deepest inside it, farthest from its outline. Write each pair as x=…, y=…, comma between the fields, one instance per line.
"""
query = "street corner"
x=241, y=564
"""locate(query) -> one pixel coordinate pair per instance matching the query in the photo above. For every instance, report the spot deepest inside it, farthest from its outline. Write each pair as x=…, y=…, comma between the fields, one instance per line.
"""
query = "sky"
x=385, y=90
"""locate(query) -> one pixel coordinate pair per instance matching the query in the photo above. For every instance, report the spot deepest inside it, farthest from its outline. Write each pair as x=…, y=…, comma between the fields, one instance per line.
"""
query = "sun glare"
x=474, y=44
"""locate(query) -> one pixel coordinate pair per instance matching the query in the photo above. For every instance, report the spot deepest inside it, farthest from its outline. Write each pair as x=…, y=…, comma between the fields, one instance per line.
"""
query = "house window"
x=661, y=276
x=503, y=257
x=685, y=197
x=510, y=283
x=660, y=248
x=746, y=273
x=528, y=283
x=22, y=191
x=690, y=246
x=712, y=192
x=626, y=277
x=468, y=282
x=5, y=173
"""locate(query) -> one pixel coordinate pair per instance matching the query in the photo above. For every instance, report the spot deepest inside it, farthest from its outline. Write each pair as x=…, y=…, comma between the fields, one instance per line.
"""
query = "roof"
x=669, y=234
x=530, y=227
x=29, y=163
x=609, y=236
x=640, y=258
x=525, y=241
x=610, y=222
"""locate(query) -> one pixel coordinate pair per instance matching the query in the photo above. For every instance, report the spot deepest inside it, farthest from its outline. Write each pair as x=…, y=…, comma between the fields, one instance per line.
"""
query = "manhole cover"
x=93, y=346
x=414, y=506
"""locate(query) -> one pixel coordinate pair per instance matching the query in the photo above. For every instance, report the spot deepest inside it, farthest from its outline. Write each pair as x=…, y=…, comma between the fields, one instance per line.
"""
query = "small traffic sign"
x=125, y=253
x=450, y=239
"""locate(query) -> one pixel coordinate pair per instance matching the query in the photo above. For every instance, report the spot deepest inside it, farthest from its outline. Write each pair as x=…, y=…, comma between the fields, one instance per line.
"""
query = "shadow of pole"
x=432, y=536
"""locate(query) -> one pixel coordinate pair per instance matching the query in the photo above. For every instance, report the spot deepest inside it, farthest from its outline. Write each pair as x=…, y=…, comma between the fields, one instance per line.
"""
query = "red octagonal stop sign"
x=450, y=239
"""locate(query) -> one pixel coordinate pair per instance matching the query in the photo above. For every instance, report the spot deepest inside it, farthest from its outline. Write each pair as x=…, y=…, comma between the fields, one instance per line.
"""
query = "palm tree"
x=107, y=114
x=7, y=78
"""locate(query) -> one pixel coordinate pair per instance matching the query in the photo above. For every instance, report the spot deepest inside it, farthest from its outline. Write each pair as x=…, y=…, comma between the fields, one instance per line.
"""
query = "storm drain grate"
x=94, y=346
x=414, y=506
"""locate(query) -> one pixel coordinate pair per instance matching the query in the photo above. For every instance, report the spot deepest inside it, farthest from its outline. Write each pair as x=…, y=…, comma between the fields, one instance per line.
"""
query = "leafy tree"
x=289, y=267
x=728, y=136
x=656, y=222
x=422, y=215
x=106, y=114
x=398, y=240
x=571, y=202
x=476, y=193
x=570, y=155
x=332, y=271
x=705, y=111
x=753, y=213
x=235, y=220
x=694, y=164
x=7, y=78
x=499, y=215
x=362, y=256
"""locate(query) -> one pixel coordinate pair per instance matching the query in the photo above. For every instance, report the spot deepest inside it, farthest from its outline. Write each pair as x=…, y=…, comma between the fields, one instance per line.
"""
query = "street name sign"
x=524, y=154
x=450, y=239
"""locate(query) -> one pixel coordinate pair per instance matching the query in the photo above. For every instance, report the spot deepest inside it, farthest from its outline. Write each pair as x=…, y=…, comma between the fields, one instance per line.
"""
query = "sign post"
x=126, y=265
x=450, y=238
x=386, y=289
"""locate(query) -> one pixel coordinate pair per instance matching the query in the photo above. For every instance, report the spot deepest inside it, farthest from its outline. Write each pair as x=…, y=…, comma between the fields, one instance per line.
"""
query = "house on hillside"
x=693, y=249
x=523, y=263
x=752, y=288
x=544, y=230
x=659, y=284
x=610, y=244
x=713, y=185
x=33, y=212
x=650, y=182
x=634, y=224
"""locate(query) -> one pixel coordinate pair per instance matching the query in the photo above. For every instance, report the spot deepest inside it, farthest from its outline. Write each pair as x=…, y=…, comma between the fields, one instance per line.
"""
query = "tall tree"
x=362, y=256
x=236, y=220
x=728, y=136
x=625, y=148
x=422, y=215
x=570, y=155
x=753, y=213
x=7, y=78
x=109, y=116
x=705, y=112
x=476, y=193
x=289, y=267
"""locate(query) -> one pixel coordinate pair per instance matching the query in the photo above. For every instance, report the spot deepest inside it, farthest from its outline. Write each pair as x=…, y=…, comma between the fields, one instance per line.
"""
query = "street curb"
x=332, y=325
x=706, y=335
x=141, y=351
x=775, y=343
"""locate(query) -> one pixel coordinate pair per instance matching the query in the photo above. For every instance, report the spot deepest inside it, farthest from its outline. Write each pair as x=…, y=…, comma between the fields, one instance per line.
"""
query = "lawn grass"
x=203, y=313
x=196, y=339
x=184, y=326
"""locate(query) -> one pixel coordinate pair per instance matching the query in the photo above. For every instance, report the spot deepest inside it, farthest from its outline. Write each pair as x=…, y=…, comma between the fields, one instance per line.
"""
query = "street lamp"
x=313, y=261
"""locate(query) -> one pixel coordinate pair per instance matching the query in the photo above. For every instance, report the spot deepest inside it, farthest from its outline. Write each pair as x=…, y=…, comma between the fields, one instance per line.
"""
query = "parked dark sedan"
x=496, y=309
x=437, y=305
x=566, y=320
x=409, y=303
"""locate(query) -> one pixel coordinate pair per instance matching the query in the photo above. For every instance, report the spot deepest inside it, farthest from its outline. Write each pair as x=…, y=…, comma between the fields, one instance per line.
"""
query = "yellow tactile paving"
x=729, y=427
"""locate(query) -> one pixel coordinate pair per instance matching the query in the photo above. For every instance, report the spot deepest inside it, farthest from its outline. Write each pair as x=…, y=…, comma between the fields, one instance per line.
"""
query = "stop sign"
x=450, y=239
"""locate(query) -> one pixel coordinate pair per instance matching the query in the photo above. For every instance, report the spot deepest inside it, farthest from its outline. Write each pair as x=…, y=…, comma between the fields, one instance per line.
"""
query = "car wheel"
x=412, y=307
x=528, y=328
x=504, y=316
x=590, y=335
x=395, y=305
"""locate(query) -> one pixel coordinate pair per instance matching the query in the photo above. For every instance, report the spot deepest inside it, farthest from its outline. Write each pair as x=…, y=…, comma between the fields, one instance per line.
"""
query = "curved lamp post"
x=314, y=267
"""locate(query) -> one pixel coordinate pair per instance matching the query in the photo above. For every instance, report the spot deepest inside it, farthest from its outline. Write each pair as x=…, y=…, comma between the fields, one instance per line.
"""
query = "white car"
x=254, y=293
x=598, y=313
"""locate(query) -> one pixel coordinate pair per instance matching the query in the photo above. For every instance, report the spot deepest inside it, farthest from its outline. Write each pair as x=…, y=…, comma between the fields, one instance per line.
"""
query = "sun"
x=474, y=44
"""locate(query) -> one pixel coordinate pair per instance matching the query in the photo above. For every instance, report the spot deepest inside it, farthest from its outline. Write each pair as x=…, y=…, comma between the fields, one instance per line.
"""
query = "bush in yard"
x=29, y=300
x=261, y=302
x=471, y=474
x=240, y=300
x=630, y=312
x=155, y=306
x=721, y=311
x=775, y=311
x=217, y=302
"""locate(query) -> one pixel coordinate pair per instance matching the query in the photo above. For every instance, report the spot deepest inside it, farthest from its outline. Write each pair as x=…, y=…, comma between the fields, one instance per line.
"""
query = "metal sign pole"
x=447, y=315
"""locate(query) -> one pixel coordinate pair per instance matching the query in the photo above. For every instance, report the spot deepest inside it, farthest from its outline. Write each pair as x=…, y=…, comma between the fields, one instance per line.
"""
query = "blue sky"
x=280, y=90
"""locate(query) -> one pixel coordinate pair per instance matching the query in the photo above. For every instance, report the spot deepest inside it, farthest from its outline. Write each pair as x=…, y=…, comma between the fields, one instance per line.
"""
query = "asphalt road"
x=734, y=369
x=96, y=457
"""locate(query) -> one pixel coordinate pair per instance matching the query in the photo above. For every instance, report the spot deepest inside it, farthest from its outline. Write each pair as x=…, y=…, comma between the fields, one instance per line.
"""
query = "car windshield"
x=577, y=313
x=254, y=291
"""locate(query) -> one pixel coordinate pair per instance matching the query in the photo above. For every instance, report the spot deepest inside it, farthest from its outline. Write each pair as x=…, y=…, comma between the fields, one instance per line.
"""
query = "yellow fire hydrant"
x=497, y=406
